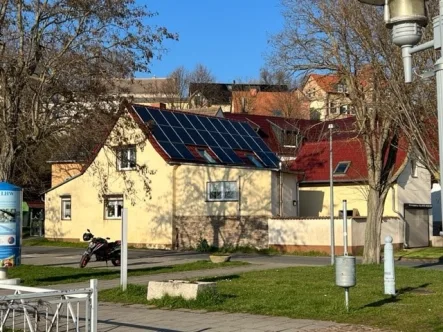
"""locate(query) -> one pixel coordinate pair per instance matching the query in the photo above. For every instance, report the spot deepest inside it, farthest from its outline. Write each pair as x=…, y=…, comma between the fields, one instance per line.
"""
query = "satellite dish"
x=374, y=2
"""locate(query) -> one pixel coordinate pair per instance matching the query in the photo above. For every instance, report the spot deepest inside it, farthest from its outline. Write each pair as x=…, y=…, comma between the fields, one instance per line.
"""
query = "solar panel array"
x=174, y=131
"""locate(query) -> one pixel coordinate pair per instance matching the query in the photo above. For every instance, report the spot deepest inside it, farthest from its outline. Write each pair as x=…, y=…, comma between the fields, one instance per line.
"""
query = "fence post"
x=94, y=304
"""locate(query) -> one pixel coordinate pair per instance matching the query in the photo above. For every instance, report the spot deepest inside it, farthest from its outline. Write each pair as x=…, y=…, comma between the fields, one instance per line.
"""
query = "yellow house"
x=183, y=178
x=408, y=200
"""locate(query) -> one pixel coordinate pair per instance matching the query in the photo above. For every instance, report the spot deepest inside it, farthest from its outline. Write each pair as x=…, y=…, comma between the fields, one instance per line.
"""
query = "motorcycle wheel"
x=116, y=261
x=84, y=260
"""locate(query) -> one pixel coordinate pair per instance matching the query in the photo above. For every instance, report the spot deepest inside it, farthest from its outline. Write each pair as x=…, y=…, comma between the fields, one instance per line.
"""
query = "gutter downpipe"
x=394, y=200
x=174, y=207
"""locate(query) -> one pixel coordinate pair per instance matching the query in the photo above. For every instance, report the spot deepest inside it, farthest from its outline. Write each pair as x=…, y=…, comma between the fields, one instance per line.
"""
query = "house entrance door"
x=417, y=230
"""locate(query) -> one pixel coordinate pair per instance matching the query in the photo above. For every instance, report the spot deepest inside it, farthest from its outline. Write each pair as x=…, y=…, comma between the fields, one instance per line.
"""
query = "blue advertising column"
x=11, y=198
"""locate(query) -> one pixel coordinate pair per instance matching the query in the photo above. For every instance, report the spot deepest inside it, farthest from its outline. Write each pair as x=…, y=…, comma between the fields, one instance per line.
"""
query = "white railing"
x=40, y=309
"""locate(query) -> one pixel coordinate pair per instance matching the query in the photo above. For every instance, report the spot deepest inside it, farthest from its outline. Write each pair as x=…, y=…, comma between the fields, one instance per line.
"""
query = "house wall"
x=62, y=171
x=315, y=200
x=150, y=218
x=313, y=234
x=237, y=223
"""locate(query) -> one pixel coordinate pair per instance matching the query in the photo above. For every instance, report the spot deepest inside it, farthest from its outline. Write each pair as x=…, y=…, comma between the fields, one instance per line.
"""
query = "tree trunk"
x=6, y=160
x=376, y=206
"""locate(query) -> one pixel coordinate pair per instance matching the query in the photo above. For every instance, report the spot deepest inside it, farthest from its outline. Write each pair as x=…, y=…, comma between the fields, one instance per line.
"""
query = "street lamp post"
x=407, y=18
x=331, y=197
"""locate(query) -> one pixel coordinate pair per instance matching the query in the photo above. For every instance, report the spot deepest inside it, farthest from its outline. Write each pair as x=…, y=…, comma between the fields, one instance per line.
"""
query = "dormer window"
x=340, y=88
x=254, y=160
x=342, y=167
x=205, y=154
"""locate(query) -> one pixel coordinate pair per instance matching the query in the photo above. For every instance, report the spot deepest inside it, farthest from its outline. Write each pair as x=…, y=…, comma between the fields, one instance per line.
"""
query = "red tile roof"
x=313, y=159
x=326, y=82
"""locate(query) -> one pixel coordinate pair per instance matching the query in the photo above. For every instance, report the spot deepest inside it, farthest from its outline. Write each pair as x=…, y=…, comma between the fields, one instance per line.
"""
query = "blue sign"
x=10, y=224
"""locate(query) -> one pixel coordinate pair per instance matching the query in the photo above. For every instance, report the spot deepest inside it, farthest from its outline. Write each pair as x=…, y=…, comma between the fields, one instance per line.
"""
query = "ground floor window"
x=66, y=207
x=113, y=207
x=222, y=191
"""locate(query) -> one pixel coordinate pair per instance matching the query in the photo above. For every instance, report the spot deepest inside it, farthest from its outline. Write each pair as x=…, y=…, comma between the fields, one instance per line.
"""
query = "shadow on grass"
x=101, y=274
x=220, y=278
x=431, y=263
x=394, y=298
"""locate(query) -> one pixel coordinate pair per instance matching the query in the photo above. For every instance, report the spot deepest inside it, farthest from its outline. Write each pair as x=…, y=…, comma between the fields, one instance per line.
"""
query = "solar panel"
x=208, y=138
x=184, y=151
x=171, y=150
x=196, y=137
x=185, y=137
x=184, y=121
x=240, y=128
x=220, y=140
x=158, y=117
x=207, y=124
x=222, y=155
x=171, y=119
x=174, y=130
x=231, y=141
x=143, y=113
x=195, y=122
x=236, y=159
x=241, y=142
x=170, y=133
x=218, y=124
x=249, y=130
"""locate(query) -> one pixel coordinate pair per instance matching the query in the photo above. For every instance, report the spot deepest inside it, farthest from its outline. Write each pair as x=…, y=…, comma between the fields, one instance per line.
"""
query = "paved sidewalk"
x=132, y=318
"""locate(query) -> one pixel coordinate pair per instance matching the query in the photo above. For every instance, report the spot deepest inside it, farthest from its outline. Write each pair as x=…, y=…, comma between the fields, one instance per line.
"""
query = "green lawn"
x=38, y=275
x=39, y=241
x=310, y=293
x=420, y=253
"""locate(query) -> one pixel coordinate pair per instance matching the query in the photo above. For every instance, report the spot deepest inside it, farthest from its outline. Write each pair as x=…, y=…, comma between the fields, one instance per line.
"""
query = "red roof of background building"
x=326, y=82
x=313, y=159
x=311, y=130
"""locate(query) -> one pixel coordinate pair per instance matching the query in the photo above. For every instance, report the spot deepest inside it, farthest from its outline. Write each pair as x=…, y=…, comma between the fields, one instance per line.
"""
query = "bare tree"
x=350, y=40
x=58, y=61
x=201, y=74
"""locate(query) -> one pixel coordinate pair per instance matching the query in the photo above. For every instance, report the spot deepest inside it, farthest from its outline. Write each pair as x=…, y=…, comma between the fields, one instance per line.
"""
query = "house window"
x=205, y=154
x=340, y=88
x=332, y=107
x=414, y=171
x=113, y=207
x=126, y=158
x=343, y=109
x=342, y=167
x=66, y=208
x=223, y=191
x=255, y=161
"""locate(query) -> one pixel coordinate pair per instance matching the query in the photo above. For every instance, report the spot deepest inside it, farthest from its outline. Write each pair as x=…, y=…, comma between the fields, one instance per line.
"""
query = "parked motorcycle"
x=102, y=249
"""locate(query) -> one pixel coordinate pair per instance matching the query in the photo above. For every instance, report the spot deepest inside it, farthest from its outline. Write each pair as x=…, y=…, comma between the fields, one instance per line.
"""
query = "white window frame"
x=115, y=200
x=128, y=150
x=65, y=200
x=223, y=190
x=340, y=88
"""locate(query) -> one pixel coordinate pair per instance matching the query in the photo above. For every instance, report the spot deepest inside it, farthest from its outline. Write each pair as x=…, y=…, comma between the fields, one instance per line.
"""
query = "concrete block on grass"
x=186, y=289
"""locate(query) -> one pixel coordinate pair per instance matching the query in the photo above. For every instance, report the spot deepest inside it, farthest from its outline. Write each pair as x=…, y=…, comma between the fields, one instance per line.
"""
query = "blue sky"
x=230, y=37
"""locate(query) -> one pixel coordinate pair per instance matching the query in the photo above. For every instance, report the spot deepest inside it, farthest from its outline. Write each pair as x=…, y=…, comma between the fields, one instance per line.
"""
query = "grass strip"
x=310, y=293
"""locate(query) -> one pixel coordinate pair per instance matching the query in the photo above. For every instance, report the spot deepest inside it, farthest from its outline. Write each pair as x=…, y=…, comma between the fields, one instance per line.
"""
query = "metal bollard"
x=389, y=266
